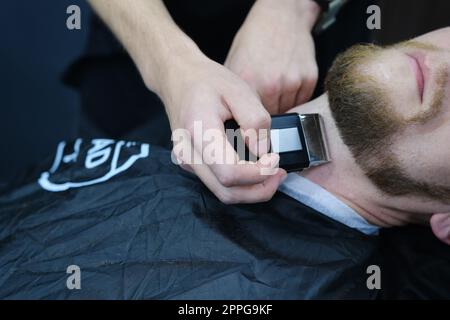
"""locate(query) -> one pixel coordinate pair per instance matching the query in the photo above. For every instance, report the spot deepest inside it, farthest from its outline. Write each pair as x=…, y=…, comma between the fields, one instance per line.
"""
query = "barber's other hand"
x=198, y=90
x=274, y=52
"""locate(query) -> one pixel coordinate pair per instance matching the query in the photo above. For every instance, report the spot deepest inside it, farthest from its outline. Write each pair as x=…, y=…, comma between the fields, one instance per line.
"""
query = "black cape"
x=153, y=231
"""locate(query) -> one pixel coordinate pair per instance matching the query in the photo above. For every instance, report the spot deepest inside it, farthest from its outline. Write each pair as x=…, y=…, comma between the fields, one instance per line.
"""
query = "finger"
x=270, y=101
x=182, y=150
x=287, y=100
x=217, y=153
x=208, y=137
x=246, y=173
x=241, y=194
x=251, y=116
x=260, y=192
x=186, y=167
x=307, y=89
x=304, y=94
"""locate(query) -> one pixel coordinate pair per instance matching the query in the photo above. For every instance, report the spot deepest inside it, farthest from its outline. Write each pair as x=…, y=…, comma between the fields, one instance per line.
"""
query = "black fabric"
x=350, y=28
x=211, y=24
x=155, y=232
x=417, y=264
x=115, y=103
x=114, y=97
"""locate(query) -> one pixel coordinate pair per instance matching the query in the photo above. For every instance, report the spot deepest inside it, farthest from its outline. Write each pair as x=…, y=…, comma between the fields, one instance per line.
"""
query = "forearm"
x=148, y=33
x=307, y=11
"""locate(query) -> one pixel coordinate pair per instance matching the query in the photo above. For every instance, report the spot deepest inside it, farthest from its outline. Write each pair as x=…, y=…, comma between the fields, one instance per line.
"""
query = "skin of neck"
x=344, y=179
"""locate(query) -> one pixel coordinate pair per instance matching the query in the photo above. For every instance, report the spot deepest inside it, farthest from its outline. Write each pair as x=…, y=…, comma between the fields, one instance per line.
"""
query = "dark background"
x=37, y=110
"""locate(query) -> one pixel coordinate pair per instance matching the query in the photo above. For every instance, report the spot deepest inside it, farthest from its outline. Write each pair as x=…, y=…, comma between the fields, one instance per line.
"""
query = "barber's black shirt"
x=114, y=98
x=211, y=24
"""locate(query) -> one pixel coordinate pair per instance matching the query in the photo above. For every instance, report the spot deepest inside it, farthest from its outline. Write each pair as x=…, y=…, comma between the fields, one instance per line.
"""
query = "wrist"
x=307, y=12
x=177, y=71
x=169, y=57
x=310, y=11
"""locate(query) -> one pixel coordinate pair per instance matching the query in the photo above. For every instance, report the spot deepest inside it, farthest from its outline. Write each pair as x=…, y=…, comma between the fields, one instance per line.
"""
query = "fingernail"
x=269, y=164
x=274, y=160
x=270, y=160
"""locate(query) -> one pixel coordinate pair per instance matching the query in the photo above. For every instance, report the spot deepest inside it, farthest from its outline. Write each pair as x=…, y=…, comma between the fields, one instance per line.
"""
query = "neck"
x=343, y=177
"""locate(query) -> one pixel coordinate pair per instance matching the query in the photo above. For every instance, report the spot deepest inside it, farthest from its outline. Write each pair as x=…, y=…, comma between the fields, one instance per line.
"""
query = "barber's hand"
x=274, y=52
x=201, y=93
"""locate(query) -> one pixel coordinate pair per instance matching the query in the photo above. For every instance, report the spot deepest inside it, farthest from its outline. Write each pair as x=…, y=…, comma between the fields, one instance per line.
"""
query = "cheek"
x=398, y=82
x=425, y=156
x=446, y=101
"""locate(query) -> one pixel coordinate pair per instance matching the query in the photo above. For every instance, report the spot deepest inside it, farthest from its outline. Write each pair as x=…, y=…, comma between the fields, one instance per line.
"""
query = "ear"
x=440, y=224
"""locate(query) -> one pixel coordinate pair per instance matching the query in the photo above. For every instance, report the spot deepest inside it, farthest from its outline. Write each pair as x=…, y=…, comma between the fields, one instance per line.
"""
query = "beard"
x=367, y=124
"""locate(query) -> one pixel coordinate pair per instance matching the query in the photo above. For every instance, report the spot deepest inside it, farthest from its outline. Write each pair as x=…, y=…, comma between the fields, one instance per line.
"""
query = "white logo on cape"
x=97, y=155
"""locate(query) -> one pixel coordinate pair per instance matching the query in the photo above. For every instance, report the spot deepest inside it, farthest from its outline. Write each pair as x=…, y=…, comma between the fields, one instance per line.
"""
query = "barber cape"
x=118, y=220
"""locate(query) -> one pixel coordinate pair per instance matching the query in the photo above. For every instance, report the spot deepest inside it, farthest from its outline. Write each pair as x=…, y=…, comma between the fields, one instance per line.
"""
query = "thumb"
x=440, y=224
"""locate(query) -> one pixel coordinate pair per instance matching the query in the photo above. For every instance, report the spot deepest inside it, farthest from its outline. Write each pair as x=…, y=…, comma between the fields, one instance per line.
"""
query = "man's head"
x=392, y=108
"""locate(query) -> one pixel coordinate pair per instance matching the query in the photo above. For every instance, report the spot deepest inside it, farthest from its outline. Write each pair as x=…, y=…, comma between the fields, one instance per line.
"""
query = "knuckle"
x=292, y=83
x=271, y=88
x=311, y=79
x=189, y=125
x=312, y=75
x=293, y=77
x=246, y=75
x=260, y=120
x=226, y=178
